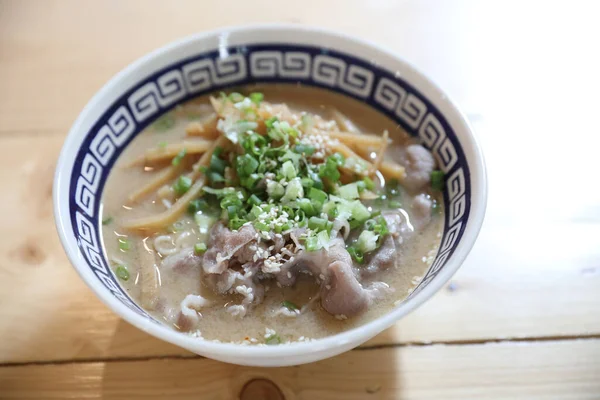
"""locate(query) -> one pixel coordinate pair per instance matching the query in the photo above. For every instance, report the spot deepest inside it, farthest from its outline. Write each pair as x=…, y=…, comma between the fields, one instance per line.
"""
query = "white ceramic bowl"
x=273, y=53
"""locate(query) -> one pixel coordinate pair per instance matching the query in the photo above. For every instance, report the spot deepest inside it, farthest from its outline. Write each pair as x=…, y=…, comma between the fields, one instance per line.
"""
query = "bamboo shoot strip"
x=206, y=127
x=356, y=141
x=380, y=153
x=345, y=123
x=158, y=221
x=160, y=179
x=171, y=150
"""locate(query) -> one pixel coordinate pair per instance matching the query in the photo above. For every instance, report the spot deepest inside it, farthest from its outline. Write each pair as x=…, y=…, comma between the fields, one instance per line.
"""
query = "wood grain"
x=555, y=370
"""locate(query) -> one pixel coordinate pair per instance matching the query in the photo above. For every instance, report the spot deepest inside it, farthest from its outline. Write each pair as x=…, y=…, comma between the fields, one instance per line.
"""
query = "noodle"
x=164, y=245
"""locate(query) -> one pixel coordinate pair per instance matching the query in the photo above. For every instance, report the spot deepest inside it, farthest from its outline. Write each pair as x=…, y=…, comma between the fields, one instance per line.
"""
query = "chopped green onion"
x=317, y=224
x=254, y=143
x=246, y=165
x=360, y=186
x=204, y=222
x=338, y=158
x=261, y=226
x=318, y=206
x=379, y=226
x=219, y=192
x=177, y=226
x=293, y=191
x=304, y=149
x=275, y=190
x=236, y=223
x=162, y=144
x=317, y=182
x=182, y=185
x=330, y=208
x=249, y=182
x=317, y=195
x=281, y=131
x=349, y=191
x=395, y=204
x=236, y=97
x=231, y=211
x=329, y=227
x=122, y=272
x=254, y=200
x=353, y=209
x=323, y=238
x=273, y=339
x=256, y=97
x=107, y=220
x=367, y=241
x=293, y=157
x=437, y=180
x=329, y=170
x=217, y=164
x=289, y=211
x=269, y=123
x=241, y=126
x=289, y=305
x=177, y=160
x=256, y=211
x=301, y=218
x=307, y=183
x=230, y=200
x=370, y=185
x=312, y=243
x=288, y=170
x=356, y=254
x=307, y=121
x=215, y=177
x=124, y=244
x=307, y=207
x=200, y=248
x=164, y=123
x=197, y=205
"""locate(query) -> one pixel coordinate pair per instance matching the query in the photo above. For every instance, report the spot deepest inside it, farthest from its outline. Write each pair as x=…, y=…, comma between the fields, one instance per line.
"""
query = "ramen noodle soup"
x=272, y=214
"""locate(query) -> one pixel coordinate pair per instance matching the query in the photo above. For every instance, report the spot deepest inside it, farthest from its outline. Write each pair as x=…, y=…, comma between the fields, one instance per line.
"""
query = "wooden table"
x=520, y=320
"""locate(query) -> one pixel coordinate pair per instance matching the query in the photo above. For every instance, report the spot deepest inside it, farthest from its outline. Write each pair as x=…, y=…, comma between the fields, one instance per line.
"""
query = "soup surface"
x=284, y=213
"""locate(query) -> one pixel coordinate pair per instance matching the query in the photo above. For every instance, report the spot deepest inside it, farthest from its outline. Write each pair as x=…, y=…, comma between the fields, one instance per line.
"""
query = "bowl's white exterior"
x=296, y=353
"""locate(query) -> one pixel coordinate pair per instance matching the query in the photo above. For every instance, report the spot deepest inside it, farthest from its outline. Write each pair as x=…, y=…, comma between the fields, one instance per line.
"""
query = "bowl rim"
x=357, y=334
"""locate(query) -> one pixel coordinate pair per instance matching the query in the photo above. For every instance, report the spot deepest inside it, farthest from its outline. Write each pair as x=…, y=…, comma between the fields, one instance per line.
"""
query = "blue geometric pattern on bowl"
x=217, y=70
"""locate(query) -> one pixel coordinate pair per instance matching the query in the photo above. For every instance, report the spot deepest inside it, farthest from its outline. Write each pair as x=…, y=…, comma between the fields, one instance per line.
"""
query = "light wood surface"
x=562, y=370
x=526, y=75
